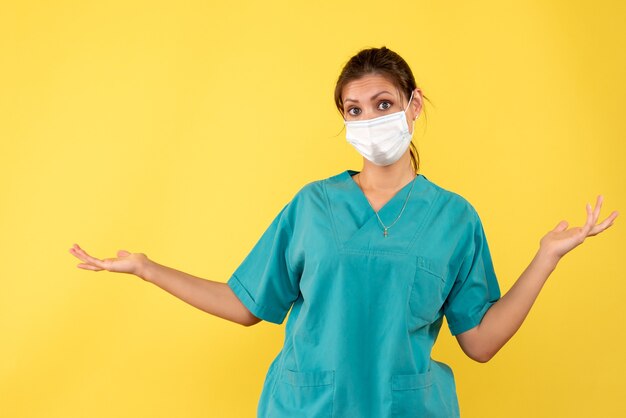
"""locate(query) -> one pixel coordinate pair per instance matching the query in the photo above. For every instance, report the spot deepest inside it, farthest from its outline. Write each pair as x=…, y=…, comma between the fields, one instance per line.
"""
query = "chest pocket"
x=426, y=295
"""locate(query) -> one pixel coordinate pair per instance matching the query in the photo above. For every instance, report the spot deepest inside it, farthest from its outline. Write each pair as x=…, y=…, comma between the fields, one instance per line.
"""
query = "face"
x=372, y=96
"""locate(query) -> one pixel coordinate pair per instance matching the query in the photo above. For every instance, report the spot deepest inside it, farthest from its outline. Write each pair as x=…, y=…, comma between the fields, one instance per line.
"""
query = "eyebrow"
x=372, y=98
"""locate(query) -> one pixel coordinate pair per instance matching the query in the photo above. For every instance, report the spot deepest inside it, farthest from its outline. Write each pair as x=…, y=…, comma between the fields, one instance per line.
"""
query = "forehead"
x=367, y=85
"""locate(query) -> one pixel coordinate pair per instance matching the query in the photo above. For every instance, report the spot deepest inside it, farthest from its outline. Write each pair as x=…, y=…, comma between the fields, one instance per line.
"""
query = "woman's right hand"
x=132, y=263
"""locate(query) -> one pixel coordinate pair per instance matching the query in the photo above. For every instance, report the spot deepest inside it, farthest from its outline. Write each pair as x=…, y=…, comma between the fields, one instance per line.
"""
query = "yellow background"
x=180, y=130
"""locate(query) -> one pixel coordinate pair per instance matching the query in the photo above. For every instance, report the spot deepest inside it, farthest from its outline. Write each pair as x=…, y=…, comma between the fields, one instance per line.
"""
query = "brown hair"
x=385, y=62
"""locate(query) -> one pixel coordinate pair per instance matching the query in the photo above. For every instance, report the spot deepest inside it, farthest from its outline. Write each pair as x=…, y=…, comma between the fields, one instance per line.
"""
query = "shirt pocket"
x=426, y=294
x=410, y=394
x=307, y=393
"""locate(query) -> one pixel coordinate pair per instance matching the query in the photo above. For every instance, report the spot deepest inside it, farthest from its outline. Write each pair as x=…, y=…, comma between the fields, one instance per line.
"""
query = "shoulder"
x=452, y=204
x=315, y=189
x=310, y=197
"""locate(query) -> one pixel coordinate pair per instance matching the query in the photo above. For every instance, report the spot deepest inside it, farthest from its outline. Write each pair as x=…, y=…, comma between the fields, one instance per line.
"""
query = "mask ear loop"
x=407, y=106
x=410, y=100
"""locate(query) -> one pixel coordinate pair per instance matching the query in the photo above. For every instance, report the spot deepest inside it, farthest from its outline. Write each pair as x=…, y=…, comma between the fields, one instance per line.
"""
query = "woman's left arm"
x=505, y=316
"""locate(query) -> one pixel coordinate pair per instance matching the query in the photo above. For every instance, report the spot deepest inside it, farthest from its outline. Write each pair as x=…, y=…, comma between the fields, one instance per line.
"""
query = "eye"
x=385, y=102
x=354, y=108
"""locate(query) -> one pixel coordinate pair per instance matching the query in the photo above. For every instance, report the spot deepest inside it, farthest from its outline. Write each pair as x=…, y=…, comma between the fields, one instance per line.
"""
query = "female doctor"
x=369, y=262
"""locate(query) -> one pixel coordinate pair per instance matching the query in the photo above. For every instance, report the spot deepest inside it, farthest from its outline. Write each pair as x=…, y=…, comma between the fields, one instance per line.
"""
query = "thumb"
x=123, y=253
x=562, y=226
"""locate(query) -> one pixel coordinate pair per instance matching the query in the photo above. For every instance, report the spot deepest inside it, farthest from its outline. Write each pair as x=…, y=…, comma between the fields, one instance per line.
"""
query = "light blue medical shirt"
x=366, y=309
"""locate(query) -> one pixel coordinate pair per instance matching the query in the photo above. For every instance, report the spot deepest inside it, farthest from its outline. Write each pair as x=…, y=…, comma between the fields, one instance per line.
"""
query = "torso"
x=359, y=296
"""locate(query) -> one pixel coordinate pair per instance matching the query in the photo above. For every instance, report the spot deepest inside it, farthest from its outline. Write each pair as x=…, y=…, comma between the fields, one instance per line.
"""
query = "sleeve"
x=264, y=281
x=475, y=287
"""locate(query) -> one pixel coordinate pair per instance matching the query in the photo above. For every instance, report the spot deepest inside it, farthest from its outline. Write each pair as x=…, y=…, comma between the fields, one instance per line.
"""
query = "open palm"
x=561, y=240
x=126, y=262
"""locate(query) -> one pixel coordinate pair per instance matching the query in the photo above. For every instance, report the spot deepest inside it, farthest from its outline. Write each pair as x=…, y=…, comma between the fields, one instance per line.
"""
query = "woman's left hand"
x=561, y=240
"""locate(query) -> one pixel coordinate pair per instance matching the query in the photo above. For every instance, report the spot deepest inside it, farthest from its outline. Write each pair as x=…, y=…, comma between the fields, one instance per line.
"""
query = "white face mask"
x=382, y=140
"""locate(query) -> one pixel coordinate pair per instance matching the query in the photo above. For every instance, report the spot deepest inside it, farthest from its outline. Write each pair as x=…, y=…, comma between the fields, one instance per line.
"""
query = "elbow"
x=481, y=359
x=484, y=356
x=478, y=346
x=250, y=320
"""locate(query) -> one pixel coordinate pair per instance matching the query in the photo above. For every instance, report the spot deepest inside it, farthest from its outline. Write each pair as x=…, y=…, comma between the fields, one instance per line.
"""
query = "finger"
x=75, y=253
x=88, y=267
x=589, y=222
x=106, y=262
x=78, y=254
x=596, y=212
x=89, y=259
x=83, y=254
x=612, y=216
x=599, y=228
x=604, y=224
x=561, y=226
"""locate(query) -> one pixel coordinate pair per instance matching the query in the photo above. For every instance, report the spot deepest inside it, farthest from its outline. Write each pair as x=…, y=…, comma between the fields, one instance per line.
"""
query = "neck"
x=387, y=178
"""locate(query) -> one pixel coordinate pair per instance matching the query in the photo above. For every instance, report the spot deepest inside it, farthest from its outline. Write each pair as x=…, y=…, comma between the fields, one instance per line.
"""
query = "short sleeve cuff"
x=460, y=326
x=264, y=312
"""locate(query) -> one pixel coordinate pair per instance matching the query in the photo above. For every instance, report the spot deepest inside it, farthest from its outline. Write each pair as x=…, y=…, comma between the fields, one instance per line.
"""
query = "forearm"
x=209, y=296
x=506, y=316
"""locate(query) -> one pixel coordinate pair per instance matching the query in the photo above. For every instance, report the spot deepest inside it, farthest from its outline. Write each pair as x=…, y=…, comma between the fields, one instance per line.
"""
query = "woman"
x=369, y=262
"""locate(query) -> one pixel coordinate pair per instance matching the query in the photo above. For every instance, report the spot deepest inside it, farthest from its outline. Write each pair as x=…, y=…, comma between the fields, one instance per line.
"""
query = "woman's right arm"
x=212, y=297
